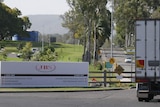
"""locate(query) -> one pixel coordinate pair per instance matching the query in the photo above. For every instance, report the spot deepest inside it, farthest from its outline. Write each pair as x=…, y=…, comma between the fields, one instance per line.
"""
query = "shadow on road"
x=155, y=100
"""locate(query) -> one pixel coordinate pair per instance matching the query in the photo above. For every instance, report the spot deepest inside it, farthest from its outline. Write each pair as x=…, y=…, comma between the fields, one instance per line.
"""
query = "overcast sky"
x=34, y=7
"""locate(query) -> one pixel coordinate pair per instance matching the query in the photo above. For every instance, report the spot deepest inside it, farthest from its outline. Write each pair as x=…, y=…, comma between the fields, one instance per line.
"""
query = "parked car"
x=128, y=60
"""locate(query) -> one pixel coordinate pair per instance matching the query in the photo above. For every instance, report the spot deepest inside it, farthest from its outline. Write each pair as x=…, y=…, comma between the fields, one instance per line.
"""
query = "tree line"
x=127, y=11
x=89, y=21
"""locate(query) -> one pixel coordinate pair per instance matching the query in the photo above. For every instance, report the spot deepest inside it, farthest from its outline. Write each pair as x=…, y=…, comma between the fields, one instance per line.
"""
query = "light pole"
x=49, y=39
x=112, y=6
x=43, y=39
x=42, y=43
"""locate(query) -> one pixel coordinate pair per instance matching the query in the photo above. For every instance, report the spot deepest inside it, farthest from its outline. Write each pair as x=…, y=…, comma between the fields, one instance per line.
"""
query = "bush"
x=99, y=66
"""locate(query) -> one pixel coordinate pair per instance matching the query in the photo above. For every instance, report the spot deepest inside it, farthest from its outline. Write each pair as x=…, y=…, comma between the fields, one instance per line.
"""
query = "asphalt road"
x=13, y=55
x=117, y=98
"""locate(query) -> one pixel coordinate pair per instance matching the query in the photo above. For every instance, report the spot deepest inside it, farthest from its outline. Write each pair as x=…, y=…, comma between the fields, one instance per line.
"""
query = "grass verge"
x=70, y=89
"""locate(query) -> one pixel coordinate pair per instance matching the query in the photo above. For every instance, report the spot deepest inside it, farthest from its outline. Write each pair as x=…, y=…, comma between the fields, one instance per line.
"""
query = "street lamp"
x=43, y=38
x=42, y=43
x=112, y=6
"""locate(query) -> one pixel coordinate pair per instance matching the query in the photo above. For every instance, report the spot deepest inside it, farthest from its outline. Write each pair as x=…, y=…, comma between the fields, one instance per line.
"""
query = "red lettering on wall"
x=45, y=68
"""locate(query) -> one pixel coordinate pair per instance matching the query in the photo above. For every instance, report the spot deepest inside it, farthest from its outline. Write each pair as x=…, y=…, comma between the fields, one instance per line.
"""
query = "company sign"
x=43, y=74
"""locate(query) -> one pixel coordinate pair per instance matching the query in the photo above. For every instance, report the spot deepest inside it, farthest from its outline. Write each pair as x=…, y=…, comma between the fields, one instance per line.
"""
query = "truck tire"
x=140, y=99
x=147, y=100
x=151, y=96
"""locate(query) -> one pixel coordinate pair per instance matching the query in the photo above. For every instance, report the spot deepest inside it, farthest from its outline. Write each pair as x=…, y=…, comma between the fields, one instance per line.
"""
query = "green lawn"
x=73, y=53
x=65, y=52
x=13, y=59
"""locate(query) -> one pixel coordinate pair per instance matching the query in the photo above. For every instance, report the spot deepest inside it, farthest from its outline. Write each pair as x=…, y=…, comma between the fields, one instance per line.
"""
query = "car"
x=19, y=54
x=128, y=60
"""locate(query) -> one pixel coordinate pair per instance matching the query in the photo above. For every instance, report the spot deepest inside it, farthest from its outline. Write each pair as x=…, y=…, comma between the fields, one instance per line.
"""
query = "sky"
x=38, y=7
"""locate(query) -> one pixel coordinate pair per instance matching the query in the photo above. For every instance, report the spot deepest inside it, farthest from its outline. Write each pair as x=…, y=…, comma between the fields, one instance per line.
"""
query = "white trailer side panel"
x=148, y=48
x=140, y=45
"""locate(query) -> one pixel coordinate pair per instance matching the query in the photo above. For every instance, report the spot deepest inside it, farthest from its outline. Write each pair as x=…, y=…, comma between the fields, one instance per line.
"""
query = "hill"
x=47, y=24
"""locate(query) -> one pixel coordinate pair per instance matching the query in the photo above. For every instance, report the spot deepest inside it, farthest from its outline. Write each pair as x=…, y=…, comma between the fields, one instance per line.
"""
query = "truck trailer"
x=147, y=58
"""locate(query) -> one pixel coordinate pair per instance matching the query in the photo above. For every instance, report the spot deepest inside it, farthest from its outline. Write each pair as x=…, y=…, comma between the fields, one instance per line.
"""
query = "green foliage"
x=11, y=23
x=156, y=13
x=2, y=46
x=99, y=66
x=20, y=46
x=89, y=21
x=3, y=55
x=46, y=55
x=83, y=14
x=127, y=11
x=26, y=52
x=49, y=47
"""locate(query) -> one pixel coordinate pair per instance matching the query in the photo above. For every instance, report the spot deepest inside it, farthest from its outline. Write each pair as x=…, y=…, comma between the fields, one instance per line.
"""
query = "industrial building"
x=33, y=36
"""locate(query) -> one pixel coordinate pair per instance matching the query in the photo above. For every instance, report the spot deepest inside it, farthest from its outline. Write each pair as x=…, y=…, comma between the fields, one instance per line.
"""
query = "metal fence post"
x=105, y=78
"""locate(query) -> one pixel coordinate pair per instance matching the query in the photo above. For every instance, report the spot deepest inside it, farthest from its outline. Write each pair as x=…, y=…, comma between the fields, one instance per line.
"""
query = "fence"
x=107, y=77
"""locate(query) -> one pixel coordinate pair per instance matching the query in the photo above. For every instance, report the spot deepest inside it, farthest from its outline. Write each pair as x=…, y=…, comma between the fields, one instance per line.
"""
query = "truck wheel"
x=151, y=96
x=146, y=100
x=140, y=99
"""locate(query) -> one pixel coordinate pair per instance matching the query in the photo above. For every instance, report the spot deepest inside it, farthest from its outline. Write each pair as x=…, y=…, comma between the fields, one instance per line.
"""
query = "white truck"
x=147, y=57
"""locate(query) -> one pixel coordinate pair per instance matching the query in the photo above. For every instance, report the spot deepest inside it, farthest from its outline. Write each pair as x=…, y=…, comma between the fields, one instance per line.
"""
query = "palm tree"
x=101, y=28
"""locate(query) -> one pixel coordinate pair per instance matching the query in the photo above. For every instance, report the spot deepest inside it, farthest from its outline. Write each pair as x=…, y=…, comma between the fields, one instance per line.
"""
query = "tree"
x=51, y=48
x=11, y=23
x=127, y=11
x=46, y=55
x=83, y=18
x=26, y=51
x=156, y=13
